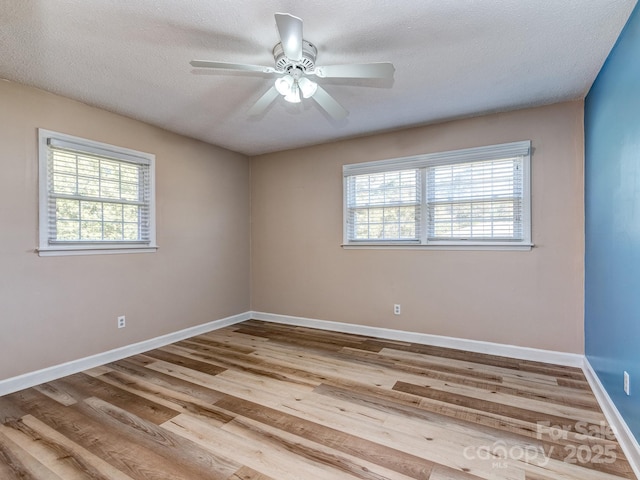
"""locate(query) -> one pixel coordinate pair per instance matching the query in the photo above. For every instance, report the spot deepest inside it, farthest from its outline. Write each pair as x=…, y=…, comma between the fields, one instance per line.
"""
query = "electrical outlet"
x=396, y=309
x=122, y=322
x=626, y=383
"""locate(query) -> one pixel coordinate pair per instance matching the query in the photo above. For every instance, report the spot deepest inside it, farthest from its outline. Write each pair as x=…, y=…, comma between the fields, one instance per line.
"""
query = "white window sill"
x=414, y=246
x=93, y=250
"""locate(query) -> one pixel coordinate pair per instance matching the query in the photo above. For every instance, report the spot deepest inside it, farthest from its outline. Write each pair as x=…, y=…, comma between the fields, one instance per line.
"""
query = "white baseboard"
x=625, y=437
x=31, y=379
x=503, y=350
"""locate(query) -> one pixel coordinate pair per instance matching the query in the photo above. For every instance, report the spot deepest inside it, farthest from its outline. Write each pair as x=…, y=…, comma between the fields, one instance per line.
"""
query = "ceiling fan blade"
x=263, y=102
x=356, y=70
x=290, y=30
x=329, y=104
x=231, y=66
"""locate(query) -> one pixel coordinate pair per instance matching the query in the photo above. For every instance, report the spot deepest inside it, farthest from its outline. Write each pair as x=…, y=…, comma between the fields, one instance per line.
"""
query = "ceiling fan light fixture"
x=290, y=88
x=307, y=87
x=284, y=84
x=294, y=94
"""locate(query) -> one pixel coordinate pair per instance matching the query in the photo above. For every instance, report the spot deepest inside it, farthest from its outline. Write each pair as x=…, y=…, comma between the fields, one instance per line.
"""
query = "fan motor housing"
x=306, y=64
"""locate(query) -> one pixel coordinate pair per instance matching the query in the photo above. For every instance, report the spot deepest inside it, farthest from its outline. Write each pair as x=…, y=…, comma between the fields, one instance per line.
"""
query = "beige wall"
x=58, y=309
x=531, y=299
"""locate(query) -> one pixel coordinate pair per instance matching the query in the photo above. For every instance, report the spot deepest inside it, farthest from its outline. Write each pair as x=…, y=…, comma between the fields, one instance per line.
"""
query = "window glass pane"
x=112, y=231
x=112, y=212
x=130, y=231
x=129, y=191
x=391, y=215
x=362, y=232
x=375, y=231
x=91, y=210
x=67, y=209
x=408, y=215
x=88, y=167
x=110, y=170
x=89, y=186
x=109, y=189
x=64, y=163
x=130, y=213
x=64, y=184
x=391, y=231
x=361, y=216
x=84, y=220
x=407, y=230
x=67, y=230
x=129, y=172
x=376, y=215
x=90, y=230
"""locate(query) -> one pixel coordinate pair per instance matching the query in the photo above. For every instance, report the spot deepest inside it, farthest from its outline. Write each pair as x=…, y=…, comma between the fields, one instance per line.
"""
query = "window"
x=478, y=197
x=94, y=197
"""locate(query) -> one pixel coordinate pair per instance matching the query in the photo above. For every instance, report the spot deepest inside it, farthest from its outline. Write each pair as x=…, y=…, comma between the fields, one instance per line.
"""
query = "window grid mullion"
x=424, y=209
x=97, y=199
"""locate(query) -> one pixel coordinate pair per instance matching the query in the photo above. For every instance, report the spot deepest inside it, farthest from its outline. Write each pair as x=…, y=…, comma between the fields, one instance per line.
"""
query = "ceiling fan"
x=295, y=62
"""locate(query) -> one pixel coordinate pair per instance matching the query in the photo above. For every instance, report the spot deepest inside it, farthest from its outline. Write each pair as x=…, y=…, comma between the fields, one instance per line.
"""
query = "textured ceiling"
x=453, y=58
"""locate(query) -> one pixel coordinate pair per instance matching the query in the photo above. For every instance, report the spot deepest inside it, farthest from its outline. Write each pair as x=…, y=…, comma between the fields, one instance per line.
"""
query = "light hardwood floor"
x=259, y=401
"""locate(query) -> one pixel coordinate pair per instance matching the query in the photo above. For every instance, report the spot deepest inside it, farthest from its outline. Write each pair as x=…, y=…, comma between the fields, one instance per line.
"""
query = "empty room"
x=320, y=240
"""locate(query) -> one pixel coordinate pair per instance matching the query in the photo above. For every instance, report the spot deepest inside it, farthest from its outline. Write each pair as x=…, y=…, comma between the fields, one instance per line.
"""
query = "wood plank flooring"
x=259, y=401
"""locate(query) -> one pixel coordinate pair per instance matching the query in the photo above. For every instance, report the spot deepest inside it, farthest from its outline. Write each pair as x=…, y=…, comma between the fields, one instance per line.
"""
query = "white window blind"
x=476, y=200
x=94, y=196
x=384, y=206
x=471, y=197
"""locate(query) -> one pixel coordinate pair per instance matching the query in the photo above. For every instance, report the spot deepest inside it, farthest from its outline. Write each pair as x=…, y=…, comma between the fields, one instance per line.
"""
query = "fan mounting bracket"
x=307, y=63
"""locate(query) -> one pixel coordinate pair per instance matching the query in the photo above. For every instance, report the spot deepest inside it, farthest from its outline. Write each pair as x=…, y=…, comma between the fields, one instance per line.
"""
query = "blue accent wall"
x=612, y=208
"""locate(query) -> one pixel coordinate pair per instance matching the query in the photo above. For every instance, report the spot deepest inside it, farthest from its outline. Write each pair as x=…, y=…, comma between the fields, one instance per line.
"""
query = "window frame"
x=103, y=150
x=422, y=163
